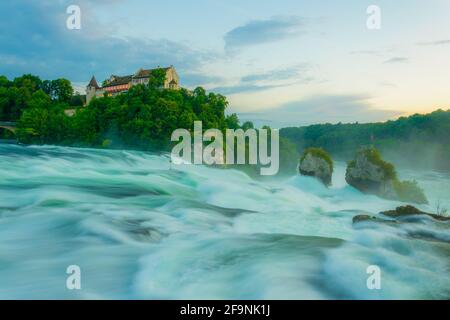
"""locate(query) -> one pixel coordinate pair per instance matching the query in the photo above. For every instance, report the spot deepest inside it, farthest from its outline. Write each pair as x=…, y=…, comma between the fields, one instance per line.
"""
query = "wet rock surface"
x=316, y=163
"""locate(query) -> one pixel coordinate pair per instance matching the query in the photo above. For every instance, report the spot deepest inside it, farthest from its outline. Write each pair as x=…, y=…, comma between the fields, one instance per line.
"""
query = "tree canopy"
x=29, y=92
x=143, y=118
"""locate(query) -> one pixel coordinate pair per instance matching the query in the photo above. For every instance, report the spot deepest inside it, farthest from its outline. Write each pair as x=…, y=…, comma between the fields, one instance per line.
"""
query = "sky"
x=281, y=63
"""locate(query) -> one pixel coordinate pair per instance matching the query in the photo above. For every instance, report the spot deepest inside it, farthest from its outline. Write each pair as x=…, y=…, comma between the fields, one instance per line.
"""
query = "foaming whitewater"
x=141, y=228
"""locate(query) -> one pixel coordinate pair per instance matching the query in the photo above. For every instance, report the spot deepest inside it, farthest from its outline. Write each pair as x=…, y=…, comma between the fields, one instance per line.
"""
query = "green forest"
x=142, y=118
x=30, y=92
x=414, y=141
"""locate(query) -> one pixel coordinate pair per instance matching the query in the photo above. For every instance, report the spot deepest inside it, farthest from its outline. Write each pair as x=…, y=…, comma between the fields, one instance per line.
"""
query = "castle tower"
x=91, y=90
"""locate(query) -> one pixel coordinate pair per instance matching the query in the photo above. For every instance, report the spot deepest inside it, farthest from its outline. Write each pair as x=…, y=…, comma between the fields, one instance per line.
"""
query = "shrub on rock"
x=409, y=191
x=369, y=173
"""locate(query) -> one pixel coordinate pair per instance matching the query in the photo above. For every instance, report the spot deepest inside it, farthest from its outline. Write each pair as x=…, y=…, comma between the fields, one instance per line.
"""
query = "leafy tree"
x=4, y=82
x=29, y=91
x=247, y=125
x=158, y=78
x=76, y=100
x=60, y=89
x=30, y=82
x=43, y=126
x=39, y=99
x=232, y=121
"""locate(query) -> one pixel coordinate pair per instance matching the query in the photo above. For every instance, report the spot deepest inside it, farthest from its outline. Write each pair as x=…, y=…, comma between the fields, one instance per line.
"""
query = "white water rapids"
x=139, y=229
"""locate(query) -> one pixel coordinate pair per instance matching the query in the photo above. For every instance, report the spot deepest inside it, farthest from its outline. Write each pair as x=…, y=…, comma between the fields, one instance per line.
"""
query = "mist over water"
x=140, y=228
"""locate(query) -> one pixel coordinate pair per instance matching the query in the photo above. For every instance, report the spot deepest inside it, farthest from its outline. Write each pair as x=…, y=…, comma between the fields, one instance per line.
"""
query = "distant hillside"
x=418, y=141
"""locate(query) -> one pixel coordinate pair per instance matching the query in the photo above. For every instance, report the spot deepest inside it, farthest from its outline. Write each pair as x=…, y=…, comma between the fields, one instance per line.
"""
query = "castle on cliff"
x=119, y=84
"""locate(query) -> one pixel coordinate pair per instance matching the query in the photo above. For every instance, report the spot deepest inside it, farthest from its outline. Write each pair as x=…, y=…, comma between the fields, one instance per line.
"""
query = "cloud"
x=320, y=109
x=273, y=75
x=366, y=52
x=38, y=42
x=397, y=60
x=388, y=84
x=268, y=80
x=199, y=79
x=435, y=43
x=242, y=88
x=263, y=31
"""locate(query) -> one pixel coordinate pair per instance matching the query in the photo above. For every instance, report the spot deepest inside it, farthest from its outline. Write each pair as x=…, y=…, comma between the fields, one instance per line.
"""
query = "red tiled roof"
x=142, y=73
x=145, y=73
x=118, y=81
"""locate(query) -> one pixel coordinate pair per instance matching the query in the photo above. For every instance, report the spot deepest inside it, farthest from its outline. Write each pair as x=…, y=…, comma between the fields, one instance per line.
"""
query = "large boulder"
x=369, y=173
x=316, y=162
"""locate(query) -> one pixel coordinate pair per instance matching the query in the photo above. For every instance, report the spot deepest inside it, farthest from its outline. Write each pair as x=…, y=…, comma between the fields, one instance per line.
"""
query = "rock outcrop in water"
x=367, y=218
x=406, y=211
x=369, y=173
x=417, y=224
x=316, y=162
x=397, y=215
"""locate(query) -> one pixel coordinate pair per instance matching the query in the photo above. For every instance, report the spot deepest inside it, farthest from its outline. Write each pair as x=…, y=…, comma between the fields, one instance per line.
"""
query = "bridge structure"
x=11, y=126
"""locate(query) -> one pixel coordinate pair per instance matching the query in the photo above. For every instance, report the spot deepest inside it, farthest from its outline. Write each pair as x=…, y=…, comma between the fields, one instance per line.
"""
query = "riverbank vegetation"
x=30, y=92
x=421, y=141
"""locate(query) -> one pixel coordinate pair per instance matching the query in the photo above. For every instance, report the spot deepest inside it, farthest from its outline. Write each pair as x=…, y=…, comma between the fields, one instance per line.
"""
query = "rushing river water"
x=139, y=229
